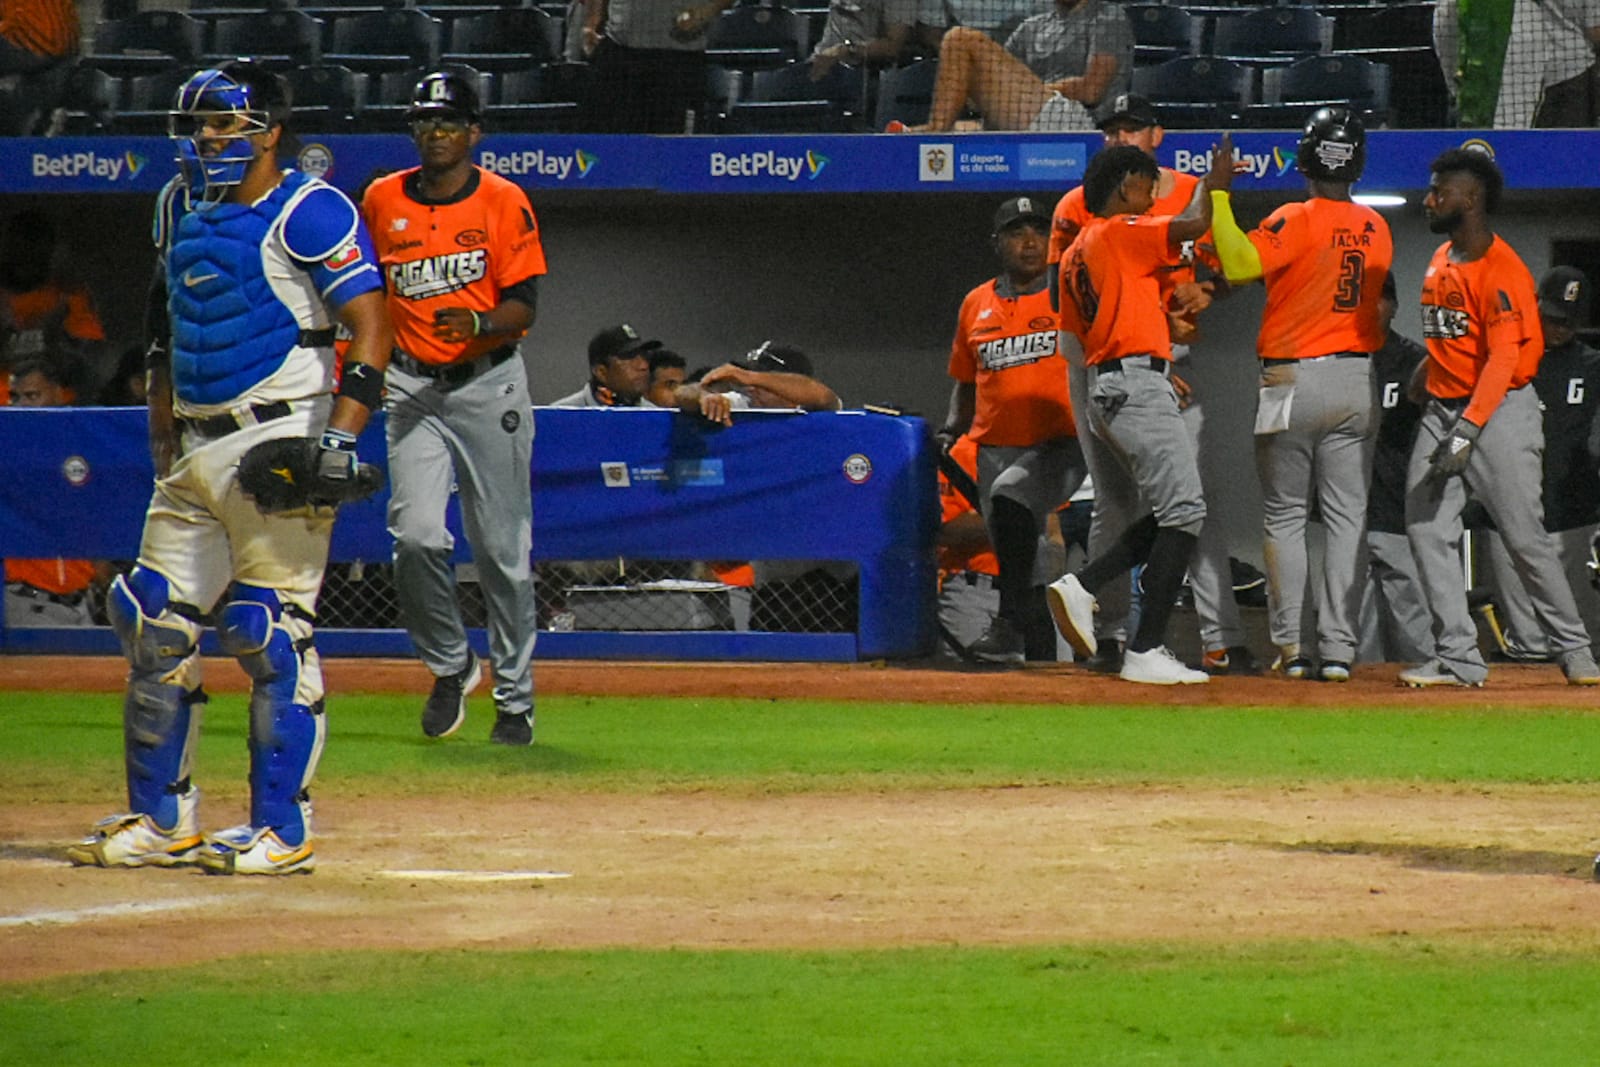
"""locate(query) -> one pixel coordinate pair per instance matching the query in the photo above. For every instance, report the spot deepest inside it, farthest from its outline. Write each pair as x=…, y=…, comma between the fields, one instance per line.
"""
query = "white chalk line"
x=476, y=876
x=103, y=911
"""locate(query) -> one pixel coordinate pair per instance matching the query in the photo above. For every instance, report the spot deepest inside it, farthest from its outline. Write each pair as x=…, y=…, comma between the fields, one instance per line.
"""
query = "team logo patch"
x=1043, y=322
x=471, y=238
x=347, y=256
x=857, y=469
x=615, y=475
x=399, y=224
x=75, y=469
x=315, y=160
x=510, y=421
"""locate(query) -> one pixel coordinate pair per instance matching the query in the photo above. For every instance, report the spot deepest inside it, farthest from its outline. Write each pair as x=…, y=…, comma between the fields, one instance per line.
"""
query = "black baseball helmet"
x=1333, y=146
x=445, y=92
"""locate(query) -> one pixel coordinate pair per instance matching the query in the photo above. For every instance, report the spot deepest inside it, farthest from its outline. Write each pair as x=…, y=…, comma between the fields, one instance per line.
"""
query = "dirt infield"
x=983, y=866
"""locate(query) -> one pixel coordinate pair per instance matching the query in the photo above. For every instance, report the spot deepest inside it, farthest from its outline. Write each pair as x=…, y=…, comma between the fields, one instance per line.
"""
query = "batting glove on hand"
x=1451, y=457
x=336, y=456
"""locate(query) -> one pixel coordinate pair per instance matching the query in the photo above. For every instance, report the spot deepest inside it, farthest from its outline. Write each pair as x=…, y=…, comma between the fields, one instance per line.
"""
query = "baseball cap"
x=1564, y=295
x=1130, y=108
x=1021, y=207
x=619, y=342
x=770, y=357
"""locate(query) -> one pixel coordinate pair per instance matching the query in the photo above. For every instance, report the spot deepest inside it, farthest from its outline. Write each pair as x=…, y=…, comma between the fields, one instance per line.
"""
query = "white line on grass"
x=476, y=876
x=103, y=911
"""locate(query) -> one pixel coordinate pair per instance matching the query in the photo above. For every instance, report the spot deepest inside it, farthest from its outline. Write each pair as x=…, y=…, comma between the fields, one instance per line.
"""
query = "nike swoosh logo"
x=191, y=280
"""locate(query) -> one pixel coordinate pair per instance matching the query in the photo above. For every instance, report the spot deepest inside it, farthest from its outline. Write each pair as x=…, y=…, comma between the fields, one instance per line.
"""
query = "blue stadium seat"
x=1197, y=92
x=785, y=99
x=754, y=38
x=1270, y=35
x=280, y=39
x=1290, y=93
x=503, y=39
x=1162, y=32
x=394, y=39
x=905, y=94
x=327, y=97
x=146, y=43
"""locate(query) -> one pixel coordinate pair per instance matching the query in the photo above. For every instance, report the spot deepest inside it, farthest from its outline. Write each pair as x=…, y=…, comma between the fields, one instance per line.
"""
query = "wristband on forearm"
x=363, y=383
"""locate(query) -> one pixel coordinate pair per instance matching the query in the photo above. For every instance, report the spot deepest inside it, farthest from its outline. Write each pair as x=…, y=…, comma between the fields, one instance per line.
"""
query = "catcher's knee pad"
x=272, y=641
x=162, y=709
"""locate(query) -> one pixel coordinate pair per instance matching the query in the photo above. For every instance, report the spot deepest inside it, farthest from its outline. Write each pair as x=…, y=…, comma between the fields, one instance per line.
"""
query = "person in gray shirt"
x=649, y=60
x=863, y=32
x=1048, y=77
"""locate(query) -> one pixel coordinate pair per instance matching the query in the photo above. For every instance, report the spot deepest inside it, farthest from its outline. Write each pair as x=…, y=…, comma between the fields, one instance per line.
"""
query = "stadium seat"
x=1290, y=93
x=504, y=39
x=146, y=43
x=905, y=94
x=786, y=100
x=1161, y=32
x=754, y=38
x=327, y=97
x=147, y=102
x=1197, y=92
x=1400, y=37
x=1270, y=35
x=281, y=39
x=395, y=39
x=88, y=101
x=724, y=87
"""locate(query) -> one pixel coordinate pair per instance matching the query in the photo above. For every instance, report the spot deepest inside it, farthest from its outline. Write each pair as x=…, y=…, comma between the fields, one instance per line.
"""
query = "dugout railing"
x=787, y=536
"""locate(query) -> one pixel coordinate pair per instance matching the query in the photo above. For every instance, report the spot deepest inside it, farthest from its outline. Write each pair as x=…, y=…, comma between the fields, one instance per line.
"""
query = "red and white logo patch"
x=348, y=255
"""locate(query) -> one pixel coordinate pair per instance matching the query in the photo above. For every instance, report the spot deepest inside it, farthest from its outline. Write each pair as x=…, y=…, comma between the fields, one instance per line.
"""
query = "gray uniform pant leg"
x=1518, y=618
x=1327, y=448
x=1133, y=410
x=482, y=433
x=965, y=610
x=1115, y=505
x=1395, y=624
x=1504, y=473
x=1210, y=575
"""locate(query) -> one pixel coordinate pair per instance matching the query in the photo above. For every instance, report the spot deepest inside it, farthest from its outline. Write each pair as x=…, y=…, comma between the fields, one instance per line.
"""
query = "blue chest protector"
x=230, y=331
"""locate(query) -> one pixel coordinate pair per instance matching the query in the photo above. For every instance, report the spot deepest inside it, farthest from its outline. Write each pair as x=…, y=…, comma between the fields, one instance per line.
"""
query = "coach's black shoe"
x=1236, y=659
x=1002, y=644
x=446, y=708
x=512, y=729
x=1107, y=658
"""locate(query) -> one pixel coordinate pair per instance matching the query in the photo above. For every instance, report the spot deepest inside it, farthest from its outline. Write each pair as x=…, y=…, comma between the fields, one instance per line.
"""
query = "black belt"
x=1313, y=359
x=1455, y=405
x=452, y=373
x=223, y=425
x=317, y=338
x=1161, y=366
x=976, y=578
x=33, y=592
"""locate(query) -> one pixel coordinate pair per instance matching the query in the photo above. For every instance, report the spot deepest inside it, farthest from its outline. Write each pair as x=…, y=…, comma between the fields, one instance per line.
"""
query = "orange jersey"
x=60, y=576
x=952, y=559
x=456, y=254
x=1111, y=294
x=52, y=307
x=1324, y=262
x=1481, y=323
x=1009, y=347
x=48, y=27
x=1072, y=214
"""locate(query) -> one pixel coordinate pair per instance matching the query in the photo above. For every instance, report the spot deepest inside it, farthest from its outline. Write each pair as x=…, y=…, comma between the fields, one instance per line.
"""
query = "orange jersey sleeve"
x=1481, y=323
x=1009, y=347
x=457, y=254
x=1324, y=262
x=60, y=576
x=1069, y=218
x=953, y=505
x=1111, y=287
x=48, y=27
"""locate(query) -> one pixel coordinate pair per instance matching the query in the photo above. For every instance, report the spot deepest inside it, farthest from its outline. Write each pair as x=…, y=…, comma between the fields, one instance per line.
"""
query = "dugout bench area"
x=789, y=536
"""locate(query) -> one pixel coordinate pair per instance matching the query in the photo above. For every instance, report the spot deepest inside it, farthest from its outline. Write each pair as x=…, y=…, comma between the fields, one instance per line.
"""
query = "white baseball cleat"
x=254, y=850
x=134, y=840
x=1158, y=666
x=1073, y=607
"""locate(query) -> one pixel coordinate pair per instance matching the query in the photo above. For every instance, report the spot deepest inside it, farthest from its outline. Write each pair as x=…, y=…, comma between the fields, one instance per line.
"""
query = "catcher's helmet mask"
x=1333, y=146
x=214, y=117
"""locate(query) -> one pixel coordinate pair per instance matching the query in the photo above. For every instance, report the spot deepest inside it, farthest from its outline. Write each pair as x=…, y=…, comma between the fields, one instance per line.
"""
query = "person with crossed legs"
x=1323, y=261
x=1481, y=428
x=1112, y=301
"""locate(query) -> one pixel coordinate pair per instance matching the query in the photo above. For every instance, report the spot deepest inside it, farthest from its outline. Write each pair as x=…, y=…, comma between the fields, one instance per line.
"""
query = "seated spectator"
x=126, y=387
x=42, y=310
x=864, y=32
x=46, y=592
x=969, y=594
x=1048, y=77
x=771, y=376
x=668, y=370
x=619, y=371
x=996, y=18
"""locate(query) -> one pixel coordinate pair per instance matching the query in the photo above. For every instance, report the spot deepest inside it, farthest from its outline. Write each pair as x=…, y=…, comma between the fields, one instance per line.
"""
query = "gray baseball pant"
x=1116, y=503
x=1517, y=617
x=1210, y=575
x=1504, y=473
x=481, y=435
x=1395, y=624
x=1327, y=450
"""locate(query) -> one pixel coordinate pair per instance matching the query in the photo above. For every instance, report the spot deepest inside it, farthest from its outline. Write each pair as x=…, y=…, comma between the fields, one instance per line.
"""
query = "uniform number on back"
x=1352, y=275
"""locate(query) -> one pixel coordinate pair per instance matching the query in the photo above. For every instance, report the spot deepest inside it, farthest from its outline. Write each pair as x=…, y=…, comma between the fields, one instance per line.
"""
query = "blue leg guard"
x=272, y=641
x=162, y=710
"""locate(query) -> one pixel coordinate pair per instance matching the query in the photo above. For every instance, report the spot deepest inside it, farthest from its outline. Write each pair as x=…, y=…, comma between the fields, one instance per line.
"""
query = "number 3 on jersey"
x=1352, y=275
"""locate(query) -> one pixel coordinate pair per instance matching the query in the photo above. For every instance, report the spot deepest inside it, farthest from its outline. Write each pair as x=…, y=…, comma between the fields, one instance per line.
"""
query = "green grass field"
x=1386, y=1000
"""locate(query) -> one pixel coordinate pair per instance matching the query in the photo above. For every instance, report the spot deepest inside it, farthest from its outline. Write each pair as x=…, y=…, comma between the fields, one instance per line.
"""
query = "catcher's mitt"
x=283, y=475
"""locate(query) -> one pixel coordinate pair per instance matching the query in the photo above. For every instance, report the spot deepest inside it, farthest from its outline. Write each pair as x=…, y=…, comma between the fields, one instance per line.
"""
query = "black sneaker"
x=446, y=708
x=1002, y=643
x=512, y=729
x=1107, y=658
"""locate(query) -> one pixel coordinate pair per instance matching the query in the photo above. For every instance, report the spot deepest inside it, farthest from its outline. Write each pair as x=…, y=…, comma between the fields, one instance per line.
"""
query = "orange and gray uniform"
x=1481, y=323
x=1324, y=262
x=460, y=412
x=968, y=596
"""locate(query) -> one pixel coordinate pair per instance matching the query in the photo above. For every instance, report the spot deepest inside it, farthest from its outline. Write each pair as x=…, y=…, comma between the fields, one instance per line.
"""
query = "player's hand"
x=1191, y=298
x=336, y=456
x=728, y=372
x=455, y=325
x=1455, y=451
x=824, y=61
x=1220, y=177
x=716, y=407
x=1184, y=390
x=1182, y=328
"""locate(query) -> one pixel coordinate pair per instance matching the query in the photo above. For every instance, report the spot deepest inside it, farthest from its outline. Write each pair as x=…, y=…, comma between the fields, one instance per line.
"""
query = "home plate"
x=477, y=876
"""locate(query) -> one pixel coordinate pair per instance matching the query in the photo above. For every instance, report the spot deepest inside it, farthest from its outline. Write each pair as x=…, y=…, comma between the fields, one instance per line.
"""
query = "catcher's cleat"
x=515, y=730
x=1002, y=643
x=1432, y=674
x=446, y=708
x=254, y=850
x=135, y=840
x=1073, y=607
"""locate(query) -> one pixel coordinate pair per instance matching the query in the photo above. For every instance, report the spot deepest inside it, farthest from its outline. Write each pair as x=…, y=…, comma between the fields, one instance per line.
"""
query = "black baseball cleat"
x=516, y=730
x=446, y=708
x=1107, y=658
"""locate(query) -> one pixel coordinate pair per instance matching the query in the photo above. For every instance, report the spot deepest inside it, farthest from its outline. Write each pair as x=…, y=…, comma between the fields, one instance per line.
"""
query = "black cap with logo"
x=1019, y=208
x=1564, y=296
x=619, y=342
